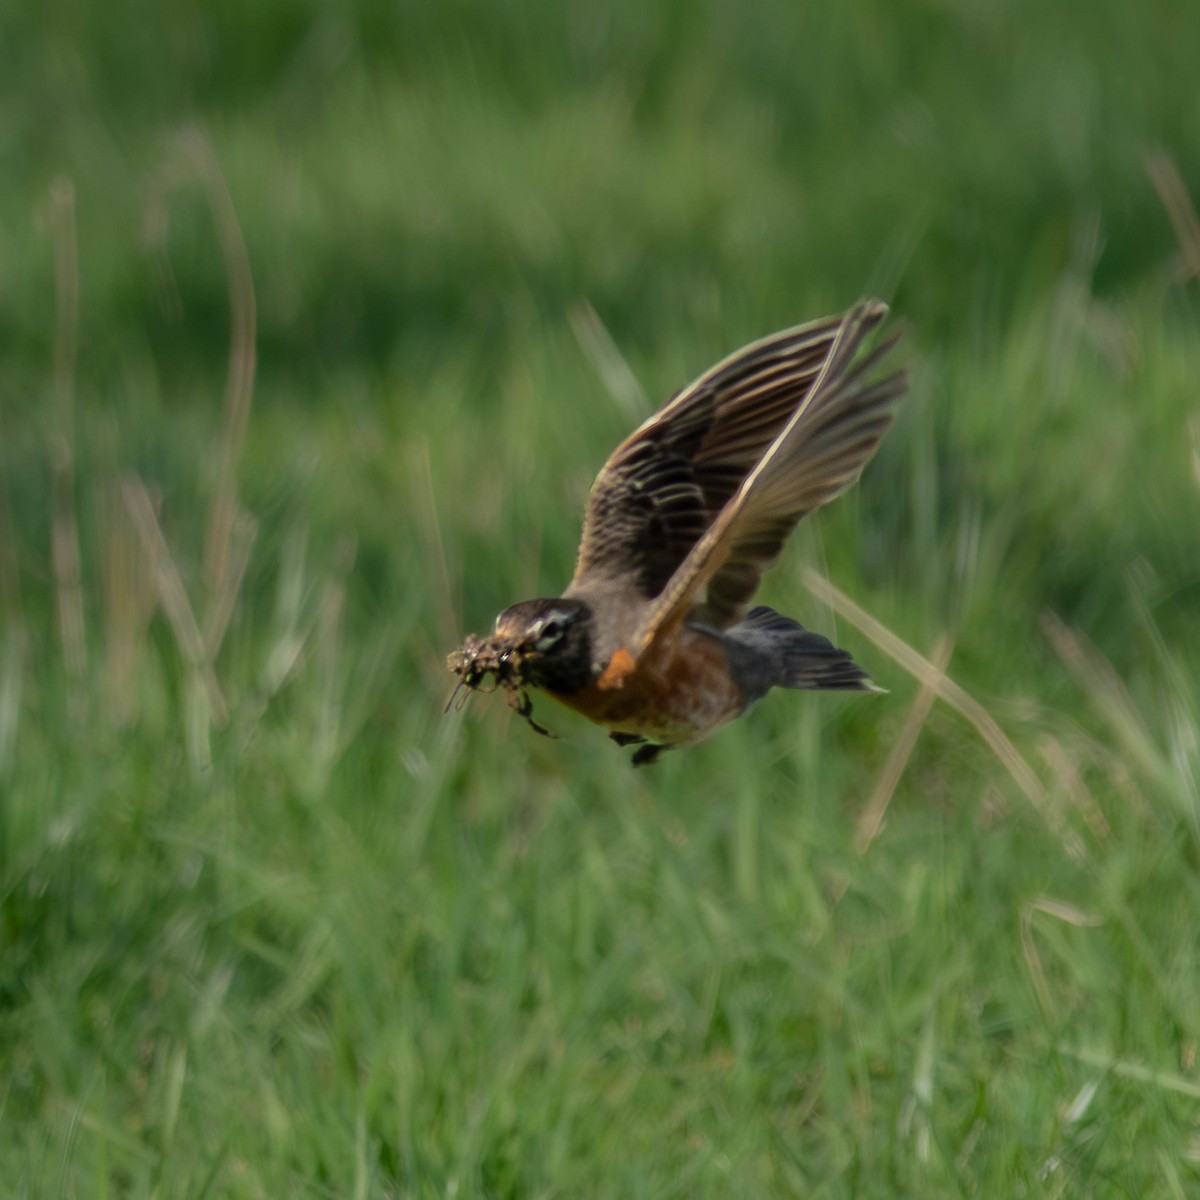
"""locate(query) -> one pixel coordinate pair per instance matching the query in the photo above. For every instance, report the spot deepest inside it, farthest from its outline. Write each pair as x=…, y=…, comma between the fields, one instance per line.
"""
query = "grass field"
x=315, y=324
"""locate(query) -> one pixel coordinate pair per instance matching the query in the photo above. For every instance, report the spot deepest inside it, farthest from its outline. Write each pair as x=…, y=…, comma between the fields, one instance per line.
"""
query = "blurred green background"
x=315, y=324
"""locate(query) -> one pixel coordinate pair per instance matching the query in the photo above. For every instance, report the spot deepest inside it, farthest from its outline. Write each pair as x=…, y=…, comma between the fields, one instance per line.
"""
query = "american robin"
x=652, y=638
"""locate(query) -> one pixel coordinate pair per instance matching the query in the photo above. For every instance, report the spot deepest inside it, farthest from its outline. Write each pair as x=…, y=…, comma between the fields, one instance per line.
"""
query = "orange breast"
x=676, y=693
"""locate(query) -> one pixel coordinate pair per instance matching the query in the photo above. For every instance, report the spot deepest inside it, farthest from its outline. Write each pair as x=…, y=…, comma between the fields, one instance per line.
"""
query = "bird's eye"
x=549, y=636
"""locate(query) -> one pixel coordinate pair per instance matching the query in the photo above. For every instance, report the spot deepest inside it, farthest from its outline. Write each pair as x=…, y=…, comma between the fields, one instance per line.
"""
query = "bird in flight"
x=654, y=637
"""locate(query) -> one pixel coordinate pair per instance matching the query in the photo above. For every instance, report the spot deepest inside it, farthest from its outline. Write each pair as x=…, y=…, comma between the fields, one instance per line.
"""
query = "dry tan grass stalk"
x=239, y=376
x=871, y=819
x=1109, y=696
x=1067, y=770
x=241, y=540
x=12, y=678
x=958, y=699
x=12, y=642
x=10, y=562
x=1194, y=437
x=1060, y=910
x=608, y=362
x=171, y=594
x=1065, y=911
x=64, y=530
x=329, y=623
x=1173, y=194
x=1138, y=1072
x=437, y=569
x=130, y=597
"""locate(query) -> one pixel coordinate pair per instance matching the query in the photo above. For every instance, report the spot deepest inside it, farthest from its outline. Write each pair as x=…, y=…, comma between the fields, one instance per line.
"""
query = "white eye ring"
x=550, y=631
x=551, y=635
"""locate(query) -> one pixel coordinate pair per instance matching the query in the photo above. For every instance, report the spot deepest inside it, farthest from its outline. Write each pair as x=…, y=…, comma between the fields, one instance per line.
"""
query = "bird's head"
x=545, y=643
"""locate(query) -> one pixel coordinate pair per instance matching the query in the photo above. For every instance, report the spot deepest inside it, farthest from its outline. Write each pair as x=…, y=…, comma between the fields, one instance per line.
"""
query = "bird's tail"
x=807, y=660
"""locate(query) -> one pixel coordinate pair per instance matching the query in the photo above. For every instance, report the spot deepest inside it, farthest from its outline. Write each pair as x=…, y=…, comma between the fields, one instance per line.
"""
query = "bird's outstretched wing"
x=665, y=484
x=696, y=504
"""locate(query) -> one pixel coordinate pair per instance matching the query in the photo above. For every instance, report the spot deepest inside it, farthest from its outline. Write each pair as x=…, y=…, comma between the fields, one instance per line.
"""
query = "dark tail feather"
x=809, y=660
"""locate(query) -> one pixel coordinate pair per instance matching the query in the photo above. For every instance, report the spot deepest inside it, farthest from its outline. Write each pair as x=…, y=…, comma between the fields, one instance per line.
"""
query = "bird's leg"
x=627, y=739
x=645, y=755
x=522, y=705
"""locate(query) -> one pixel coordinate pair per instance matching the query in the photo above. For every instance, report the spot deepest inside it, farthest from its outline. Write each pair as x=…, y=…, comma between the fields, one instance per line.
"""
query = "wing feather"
x=666, y=483
x=829, y=436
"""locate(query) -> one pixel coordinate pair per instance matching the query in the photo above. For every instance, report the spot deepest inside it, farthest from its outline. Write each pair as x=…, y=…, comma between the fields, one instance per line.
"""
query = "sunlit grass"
x=272, y=924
